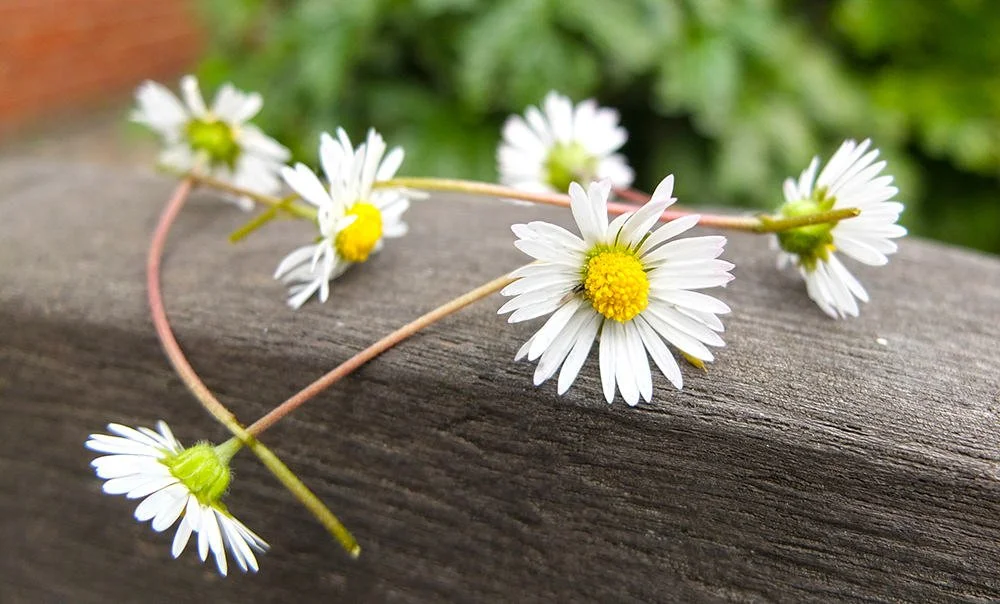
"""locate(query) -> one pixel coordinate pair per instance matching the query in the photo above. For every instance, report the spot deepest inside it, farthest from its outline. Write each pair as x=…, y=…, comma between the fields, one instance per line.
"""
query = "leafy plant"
x=732, y=95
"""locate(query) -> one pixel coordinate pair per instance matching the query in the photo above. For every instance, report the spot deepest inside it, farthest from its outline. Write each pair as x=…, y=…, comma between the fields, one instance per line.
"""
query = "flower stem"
x=751, y=224
x=205, y=396
x=288, y=204
x=374, y=350
x=774, y=225
x=766, y=224
x=739, y=223
x=630, y=194
x=260, y=220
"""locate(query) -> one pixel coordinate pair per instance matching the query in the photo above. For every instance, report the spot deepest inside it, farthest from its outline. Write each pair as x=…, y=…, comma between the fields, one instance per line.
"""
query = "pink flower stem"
x=740, y=223
x=205, y=396
x=356, y=361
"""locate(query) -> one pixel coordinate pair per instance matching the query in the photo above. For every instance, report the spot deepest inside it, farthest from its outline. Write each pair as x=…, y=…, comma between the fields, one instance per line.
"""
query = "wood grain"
x=810, y=463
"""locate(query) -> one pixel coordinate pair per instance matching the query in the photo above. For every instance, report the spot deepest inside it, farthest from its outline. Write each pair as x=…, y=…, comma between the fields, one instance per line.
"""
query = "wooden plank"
x=810, y=463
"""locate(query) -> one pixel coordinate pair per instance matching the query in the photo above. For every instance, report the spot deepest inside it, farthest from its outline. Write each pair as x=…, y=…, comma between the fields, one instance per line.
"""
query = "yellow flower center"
x=616, y=284
x=357, y=241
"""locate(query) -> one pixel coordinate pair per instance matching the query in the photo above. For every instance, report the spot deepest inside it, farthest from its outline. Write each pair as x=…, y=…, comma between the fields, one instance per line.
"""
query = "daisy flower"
x=219, y=138
x=353, y=218
x=176, y=483
x=550, y=147
x=850, y=180
x=619, y=283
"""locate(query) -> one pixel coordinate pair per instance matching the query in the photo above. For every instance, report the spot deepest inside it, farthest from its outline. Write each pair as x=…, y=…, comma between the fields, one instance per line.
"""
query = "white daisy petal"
x=181, y=538
x=553, y=327
x=192, y=96
x=695, y=301
x=133, y=435
x=134, y=482
x=639, y=364
x=252, y=105
x=659, y=353
x=251, y=539
x=228, y=102
x=608, y=349
x=171, y=510
x=533, y=311
x=578, y=354
x=678, y=338
x=118, y=466
x=264, y=147
x=626, y=374
x=302, y=180
x=215, y=544
x=205, y=521
x=561, y=346
x=546, y=252
x=236, y=545
x=584, y=215
x=160, y=110
x=598, y=193
x=840, y=272
x=387, y=169
x=668, y=231
x=690, y=326
x=637, y=227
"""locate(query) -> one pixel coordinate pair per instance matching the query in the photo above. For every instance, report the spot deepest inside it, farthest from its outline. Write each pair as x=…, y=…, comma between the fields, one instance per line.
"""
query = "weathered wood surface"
x=810, y=463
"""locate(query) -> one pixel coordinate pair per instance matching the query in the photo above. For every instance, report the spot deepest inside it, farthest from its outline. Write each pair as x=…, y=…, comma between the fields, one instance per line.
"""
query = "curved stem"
x=205, y=396
x=159, y=313
x=287, y=204
x=374, y=350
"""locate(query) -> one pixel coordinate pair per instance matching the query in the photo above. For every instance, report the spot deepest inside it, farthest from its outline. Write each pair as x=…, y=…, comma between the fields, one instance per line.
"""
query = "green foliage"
x=732, y=95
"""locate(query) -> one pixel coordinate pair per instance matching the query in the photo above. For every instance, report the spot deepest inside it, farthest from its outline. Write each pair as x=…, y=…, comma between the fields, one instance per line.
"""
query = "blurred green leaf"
x=732, y=96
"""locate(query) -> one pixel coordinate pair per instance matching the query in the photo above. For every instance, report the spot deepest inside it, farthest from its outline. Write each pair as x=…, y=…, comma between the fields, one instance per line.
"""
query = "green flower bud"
x=216, y=139
x=810, y=243
x=568, y=162
x=204, y=470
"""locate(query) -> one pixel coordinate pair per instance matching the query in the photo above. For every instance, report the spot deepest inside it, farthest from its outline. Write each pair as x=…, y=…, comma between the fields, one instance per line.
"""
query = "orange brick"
x=55, y=54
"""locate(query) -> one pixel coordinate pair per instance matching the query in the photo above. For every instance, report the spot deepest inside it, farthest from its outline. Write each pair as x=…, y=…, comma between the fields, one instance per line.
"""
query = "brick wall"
x=61, y=54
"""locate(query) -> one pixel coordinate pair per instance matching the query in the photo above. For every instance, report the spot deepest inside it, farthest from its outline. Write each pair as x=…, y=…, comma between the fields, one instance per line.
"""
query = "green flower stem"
x=751, y=224
x=767, y=224
x=205, y=396
x=228, y=450
x=288, y=204
x=260, y=220
x=775, y=225
x=353, y=363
